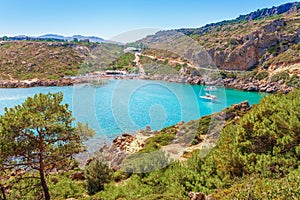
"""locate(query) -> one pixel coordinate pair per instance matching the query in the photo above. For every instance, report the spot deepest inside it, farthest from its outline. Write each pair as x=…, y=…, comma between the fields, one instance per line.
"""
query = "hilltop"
x=54, y=37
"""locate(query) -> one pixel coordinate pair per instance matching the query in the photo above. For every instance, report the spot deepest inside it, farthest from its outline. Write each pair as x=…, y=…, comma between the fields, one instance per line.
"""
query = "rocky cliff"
x=250, y=40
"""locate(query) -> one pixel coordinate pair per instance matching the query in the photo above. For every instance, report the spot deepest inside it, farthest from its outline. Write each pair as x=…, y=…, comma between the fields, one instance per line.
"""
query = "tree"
x=84, y=131
x=38, y=136
x=5, y=38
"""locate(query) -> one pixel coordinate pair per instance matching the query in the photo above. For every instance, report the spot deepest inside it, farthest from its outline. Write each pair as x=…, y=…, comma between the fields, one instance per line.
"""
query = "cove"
x=129, y=105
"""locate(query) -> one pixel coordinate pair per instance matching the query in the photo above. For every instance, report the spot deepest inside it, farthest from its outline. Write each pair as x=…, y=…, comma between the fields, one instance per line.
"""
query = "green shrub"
x=225, y=74
x=261, y=75
x=263, y=188
x=274, y=49
x=294, y=81
x=280, y=76
x=63, y=188
x=97, y=174
x=143, y=163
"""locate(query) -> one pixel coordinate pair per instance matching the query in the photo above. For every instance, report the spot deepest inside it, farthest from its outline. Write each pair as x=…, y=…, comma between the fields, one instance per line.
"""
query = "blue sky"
x=112, y=17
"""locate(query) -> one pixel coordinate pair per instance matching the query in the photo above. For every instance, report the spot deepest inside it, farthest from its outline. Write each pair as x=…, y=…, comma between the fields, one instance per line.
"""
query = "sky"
x=110, y=18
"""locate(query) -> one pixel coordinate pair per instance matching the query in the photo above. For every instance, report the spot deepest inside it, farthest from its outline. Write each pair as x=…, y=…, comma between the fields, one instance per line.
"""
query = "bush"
x=266, y=140
x=274, y=49
x=294, y=81
x=225, y=74
x=261, y=75
x=263, y=188
x=280, y=76
x=97, y=174
x=143, y=163
x=62, y=188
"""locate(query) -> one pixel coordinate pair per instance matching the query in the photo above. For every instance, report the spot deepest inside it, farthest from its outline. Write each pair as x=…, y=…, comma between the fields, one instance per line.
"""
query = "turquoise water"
x=128, y=105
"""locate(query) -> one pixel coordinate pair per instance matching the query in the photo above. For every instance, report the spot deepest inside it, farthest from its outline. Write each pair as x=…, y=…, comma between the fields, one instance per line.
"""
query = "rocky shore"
x=249, y=84
x=34, y=83
x=257, y=86
x=44, y=82
x=127, y=144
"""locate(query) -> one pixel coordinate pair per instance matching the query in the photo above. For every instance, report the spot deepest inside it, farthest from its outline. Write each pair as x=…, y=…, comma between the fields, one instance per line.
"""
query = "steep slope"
x=249, y=40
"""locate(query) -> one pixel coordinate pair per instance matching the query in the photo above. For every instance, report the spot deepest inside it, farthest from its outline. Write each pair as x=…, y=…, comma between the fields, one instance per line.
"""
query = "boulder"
x=196, y=196
x=77, y=176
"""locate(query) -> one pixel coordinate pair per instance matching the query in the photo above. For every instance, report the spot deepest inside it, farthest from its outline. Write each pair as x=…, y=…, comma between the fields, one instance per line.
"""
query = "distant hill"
x=58, y=38
x=70, y=38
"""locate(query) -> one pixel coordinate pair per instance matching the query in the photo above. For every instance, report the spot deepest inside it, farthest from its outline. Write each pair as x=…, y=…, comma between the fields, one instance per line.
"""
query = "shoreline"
x=250, y=84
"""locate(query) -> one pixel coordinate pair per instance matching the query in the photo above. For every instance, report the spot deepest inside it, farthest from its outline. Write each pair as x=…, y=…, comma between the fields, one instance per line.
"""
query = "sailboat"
x=209, y=97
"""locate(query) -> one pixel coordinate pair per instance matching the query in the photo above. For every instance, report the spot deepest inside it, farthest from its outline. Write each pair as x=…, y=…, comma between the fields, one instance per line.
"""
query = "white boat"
x=209, y=97
x=210, y=88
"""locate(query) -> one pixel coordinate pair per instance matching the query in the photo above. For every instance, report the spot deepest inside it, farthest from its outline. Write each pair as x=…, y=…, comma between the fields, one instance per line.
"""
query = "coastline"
x=249, y=84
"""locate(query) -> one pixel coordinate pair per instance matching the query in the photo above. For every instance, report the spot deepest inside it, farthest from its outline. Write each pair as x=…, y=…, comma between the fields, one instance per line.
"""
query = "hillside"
x=254, y=52
x=250, y=40
x=41, y=60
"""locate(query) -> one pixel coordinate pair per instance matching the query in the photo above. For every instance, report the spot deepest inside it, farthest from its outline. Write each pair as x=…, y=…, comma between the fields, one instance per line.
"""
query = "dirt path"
x=140, y=66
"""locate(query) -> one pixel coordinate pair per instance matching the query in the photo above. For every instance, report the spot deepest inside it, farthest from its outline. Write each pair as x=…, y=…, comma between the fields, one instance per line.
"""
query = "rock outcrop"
x=121, y=147
x=197, y=196
x=250, y=48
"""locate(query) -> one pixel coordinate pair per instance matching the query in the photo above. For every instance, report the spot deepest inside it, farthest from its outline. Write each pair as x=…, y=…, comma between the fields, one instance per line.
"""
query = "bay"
x=129, y=105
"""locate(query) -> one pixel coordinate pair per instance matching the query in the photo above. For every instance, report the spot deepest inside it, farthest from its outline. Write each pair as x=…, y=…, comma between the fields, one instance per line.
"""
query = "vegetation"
x=103, y=56
x=225, y=74
x=159, y=67
x=291, y=55
x=294, y=81
x=284, y=76
x=261, y=75
x=124, y=62
x=36, y=138
x=256, y=156
x=28, y=60
x=97, y=174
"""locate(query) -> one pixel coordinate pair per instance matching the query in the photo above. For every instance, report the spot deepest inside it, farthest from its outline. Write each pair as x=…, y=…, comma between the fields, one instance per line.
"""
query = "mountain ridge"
x=242, y=44
x=260, y=13
x=56, y=37
x=70, y=38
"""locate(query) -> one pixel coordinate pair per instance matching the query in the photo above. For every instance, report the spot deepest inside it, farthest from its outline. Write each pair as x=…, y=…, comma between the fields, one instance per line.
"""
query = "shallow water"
x=128, y=105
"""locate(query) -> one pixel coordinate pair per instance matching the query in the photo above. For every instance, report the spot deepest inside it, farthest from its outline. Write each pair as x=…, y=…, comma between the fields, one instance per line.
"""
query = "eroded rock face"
x=257, y=86
x=121, y=147
x=250, y=49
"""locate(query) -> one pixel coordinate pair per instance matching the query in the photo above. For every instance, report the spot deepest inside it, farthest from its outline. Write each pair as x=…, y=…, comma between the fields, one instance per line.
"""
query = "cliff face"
x=249, y=40
x=244, y=52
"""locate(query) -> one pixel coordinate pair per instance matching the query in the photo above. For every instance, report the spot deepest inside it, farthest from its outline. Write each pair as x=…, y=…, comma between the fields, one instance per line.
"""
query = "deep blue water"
x=128, y=105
